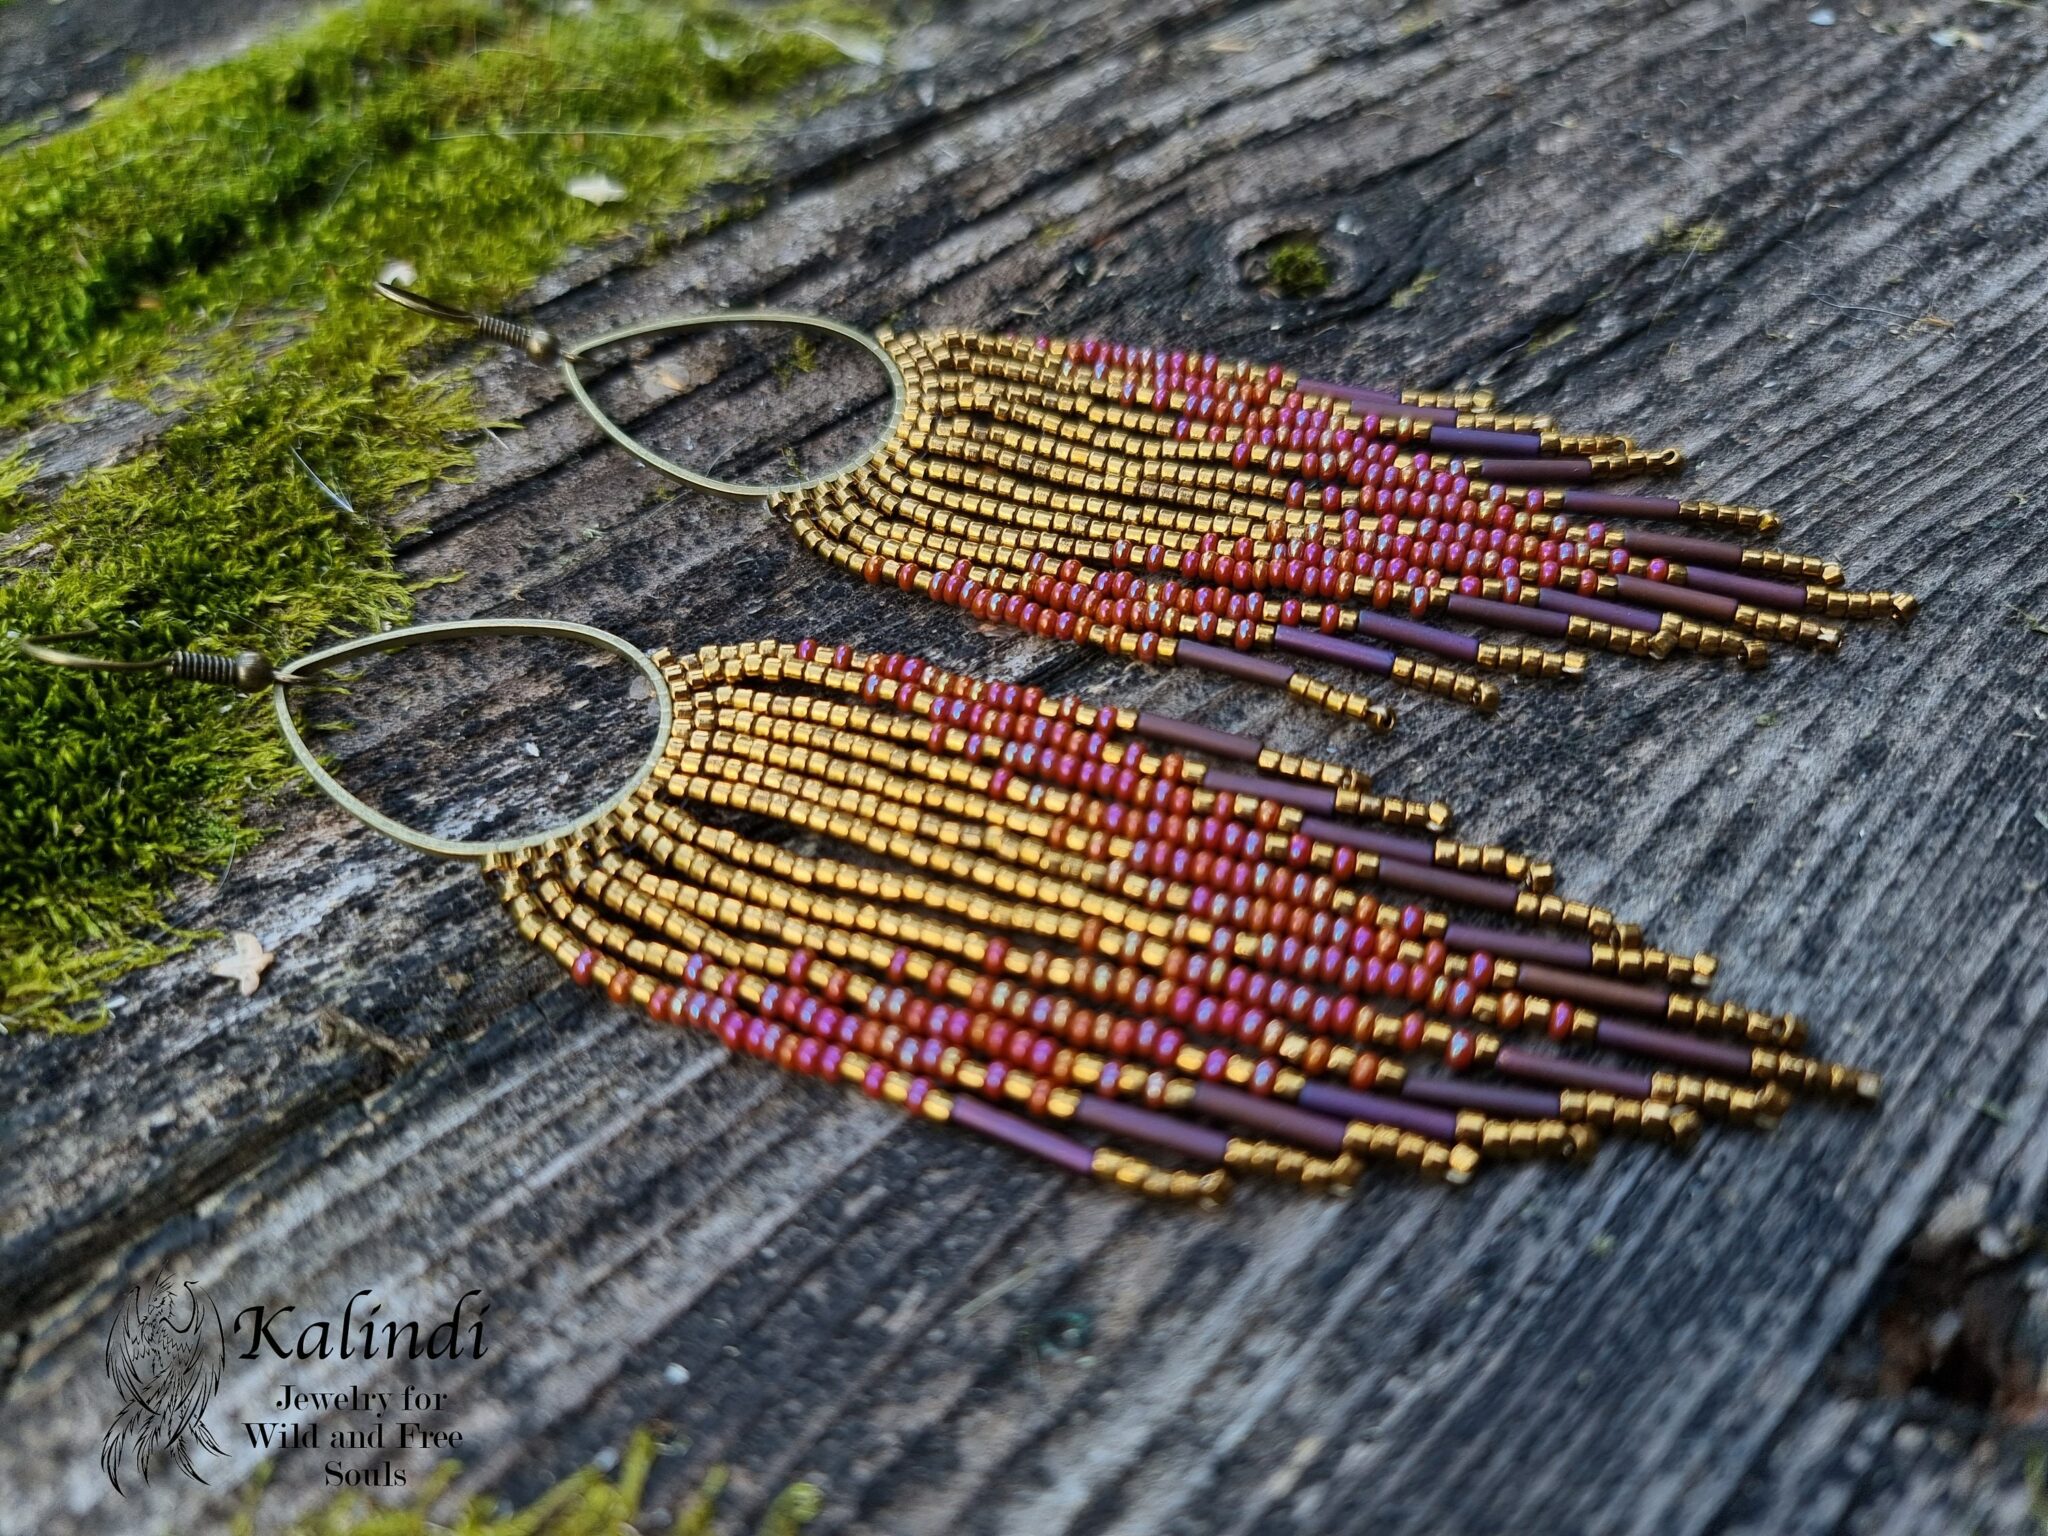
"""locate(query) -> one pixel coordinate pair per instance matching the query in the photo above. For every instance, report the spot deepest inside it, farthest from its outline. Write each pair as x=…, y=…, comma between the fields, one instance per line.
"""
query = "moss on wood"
x=208, y=243
x=1297, y=269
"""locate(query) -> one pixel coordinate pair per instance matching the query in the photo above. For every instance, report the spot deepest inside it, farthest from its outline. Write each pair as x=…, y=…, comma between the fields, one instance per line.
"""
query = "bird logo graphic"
x=166, y=1372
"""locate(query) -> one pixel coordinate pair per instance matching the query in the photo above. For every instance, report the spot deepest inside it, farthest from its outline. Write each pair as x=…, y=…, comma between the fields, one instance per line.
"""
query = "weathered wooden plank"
x=796, y=1285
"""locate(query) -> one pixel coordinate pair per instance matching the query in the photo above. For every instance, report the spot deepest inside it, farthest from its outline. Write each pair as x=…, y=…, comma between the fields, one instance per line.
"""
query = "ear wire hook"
x=248, y=672
x=540, y=345
x=544, y=346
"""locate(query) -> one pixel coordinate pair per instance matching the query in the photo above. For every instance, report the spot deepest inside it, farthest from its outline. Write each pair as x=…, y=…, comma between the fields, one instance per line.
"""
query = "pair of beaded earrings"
x=1241, y=519
x=1077, y=929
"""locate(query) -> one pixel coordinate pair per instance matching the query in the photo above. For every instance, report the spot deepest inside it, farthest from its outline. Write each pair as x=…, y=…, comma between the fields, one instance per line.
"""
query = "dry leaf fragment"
x=596, y=188
x=245, y=967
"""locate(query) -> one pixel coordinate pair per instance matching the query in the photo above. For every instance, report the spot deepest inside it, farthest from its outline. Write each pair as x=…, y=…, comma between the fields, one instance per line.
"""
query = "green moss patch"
x=209, y=242
x=1297, y=269
x=590, y=1503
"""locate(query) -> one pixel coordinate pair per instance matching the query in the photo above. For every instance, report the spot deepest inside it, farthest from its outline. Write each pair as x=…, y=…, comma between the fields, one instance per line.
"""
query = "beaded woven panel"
x=1079, y=929
x=1236, y=517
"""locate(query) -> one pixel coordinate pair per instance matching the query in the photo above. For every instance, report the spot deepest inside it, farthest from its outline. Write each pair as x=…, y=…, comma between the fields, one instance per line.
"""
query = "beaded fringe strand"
x=1239, y=519
x=1042, y=919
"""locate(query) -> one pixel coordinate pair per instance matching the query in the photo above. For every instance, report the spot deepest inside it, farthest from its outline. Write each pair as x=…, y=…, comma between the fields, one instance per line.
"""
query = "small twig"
x=997, y=1291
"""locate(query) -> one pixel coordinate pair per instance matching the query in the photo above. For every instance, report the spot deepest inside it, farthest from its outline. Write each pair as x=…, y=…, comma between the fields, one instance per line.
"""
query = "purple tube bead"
x=1299, y=1126
x=1487, y=1098
x=1669, y=595
x=1485, y=610
x=1747, y=589
x=1515, y=445
x=1199, y=738
x=1417, y=637
x=1619, y=615
x=1148, y=1125
x=1348, y=653
x=1719, y=1056
x=1536, y=1067
x=1015, y=1131
x=1541, y=948
x=1474, y=890
x=1613, y=504
x=1535, y=471
x=1250, y=669
x=1585, y=987
x=1379, y=1109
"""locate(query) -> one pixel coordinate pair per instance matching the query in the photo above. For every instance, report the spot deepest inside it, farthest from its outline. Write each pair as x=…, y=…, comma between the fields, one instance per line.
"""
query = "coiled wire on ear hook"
x=539, y=344
x=245, y=672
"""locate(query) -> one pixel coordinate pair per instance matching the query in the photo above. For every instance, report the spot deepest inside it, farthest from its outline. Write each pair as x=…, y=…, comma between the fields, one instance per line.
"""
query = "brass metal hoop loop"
x=792, y=319
x=398, y=639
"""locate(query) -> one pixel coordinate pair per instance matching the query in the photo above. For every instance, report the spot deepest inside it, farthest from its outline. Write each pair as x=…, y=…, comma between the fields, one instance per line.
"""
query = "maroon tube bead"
x=1719, y=1056
x=1200, y=738
x=1542, y=948
x=1148, y=1125
x=1387, y=845
x=1347, y=653
x=1514, y=445
x=1015, y=1131
x=1418, y=637
x=1508, y=472
x=1585, y=987
x=1613, y=504
x=1747, y=589
x=1299, y=1126
x=1671, y=596
x=1679, y=546
x=1475, y=890
x=1620, y=615
x=1303, y=797
x=1484, y=610
x=1487, y=1098
x=1251, y=669
x=1379, y=1109
x=1515, y=1061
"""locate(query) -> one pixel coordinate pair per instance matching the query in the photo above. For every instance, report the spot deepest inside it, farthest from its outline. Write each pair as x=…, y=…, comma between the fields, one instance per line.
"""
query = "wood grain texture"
x=791, y=1281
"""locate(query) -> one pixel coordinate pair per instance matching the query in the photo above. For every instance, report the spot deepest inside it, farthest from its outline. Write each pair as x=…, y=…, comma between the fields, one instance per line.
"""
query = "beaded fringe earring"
x=1240, y=519
x=1045, y=920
